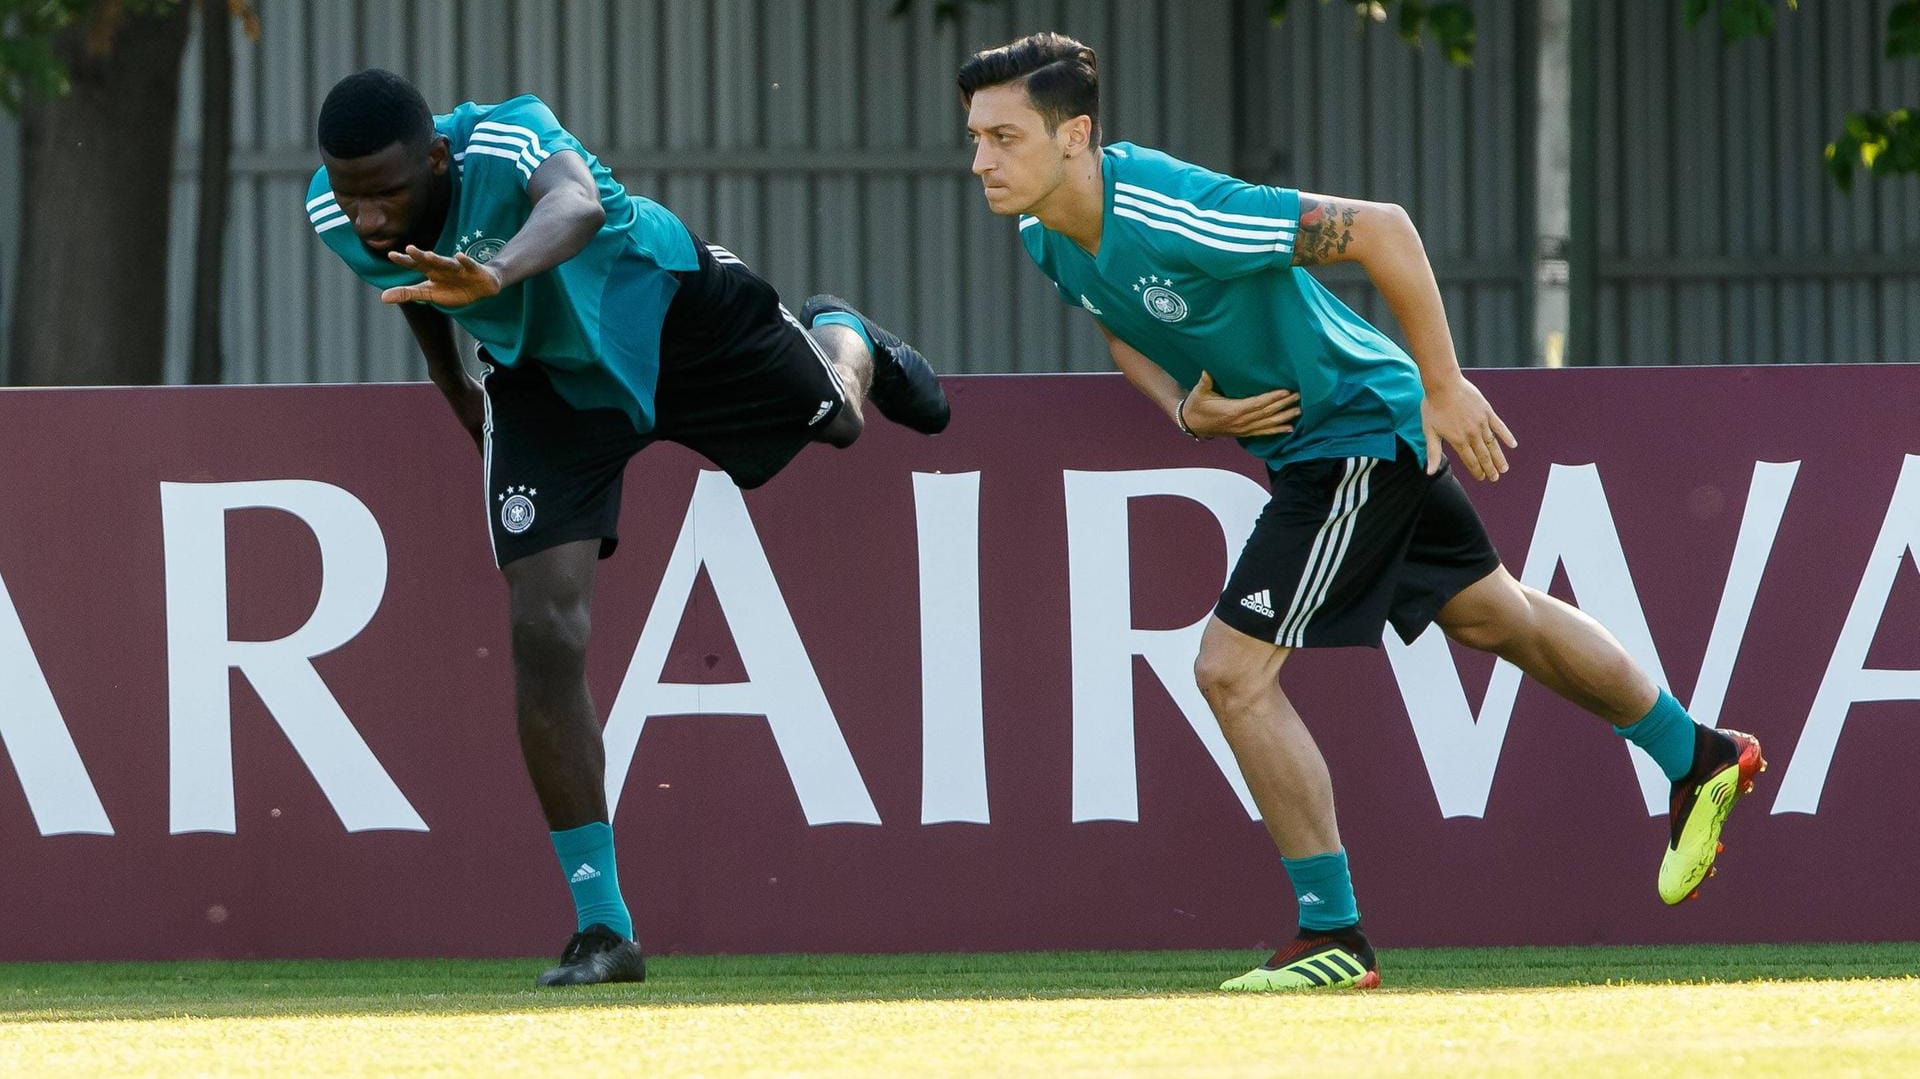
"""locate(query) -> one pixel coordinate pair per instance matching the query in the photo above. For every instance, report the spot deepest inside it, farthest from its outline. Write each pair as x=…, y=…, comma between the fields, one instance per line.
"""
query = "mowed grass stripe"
x=1791, y=1028
x=241, y=989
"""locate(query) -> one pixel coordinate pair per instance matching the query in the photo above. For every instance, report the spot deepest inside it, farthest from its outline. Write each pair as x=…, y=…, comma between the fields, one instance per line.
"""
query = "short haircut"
x=367, y=112
x=1062, y=76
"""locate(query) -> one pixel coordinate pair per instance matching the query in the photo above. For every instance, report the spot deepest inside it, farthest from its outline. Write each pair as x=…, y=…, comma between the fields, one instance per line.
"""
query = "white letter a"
x=780, y=684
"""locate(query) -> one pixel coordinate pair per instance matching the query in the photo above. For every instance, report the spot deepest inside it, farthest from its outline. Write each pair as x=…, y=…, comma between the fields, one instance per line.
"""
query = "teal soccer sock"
x=1666, y=733
x=1324, y=890
x=841, y=318
x=586, y=858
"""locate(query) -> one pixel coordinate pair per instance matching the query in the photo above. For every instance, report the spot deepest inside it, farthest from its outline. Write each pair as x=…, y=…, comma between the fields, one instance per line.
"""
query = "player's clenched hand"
x=1458, y=414
x=450, y=282
x=1209, y=413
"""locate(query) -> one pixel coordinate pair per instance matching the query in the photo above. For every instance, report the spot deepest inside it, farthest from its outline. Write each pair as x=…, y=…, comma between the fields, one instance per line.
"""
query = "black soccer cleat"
x=596, y=955
x=905, y=389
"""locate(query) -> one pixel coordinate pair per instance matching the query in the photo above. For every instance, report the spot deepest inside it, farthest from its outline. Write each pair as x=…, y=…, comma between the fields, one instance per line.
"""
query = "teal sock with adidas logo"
x=1324, y=889
x=841, y=318
x=1666, y=733
x=586, y=858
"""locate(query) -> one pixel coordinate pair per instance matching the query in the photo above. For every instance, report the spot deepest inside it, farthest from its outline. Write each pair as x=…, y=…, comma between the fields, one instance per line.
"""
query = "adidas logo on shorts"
x=1260, y=603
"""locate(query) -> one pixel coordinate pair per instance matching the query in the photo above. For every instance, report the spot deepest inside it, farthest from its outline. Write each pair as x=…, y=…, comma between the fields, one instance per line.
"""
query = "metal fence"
x=1721, y=239
x=823, y=142
x=1325, y=107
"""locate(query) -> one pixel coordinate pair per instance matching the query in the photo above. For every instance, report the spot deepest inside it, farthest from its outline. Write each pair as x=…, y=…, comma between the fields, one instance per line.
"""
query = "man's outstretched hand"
x=450, y=282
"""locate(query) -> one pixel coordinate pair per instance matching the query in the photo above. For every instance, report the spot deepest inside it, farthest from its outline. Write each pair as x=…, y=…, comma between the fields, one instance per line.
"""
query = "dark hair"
x=370, y=111
x=1062, y=76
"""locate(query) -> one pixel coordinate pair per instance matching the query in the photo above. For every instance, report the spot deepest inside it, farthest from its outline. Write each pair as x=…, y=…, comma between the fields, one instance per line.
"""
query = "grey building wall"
x=822, y=141
x=1721, y=238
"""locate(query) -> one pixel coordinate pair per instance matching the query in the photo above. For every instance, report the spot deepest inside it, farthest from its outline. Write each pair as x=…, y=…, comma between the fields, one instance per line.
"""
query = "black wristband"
x=1180, y=418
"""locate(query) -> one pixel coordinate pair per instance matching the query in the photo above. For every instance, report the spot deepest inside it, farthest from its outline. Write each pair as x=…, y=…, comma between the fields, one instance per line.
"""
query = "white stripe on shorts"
x=818, y=353
x=486, y=461
x=1328, y=551
x=722, y=255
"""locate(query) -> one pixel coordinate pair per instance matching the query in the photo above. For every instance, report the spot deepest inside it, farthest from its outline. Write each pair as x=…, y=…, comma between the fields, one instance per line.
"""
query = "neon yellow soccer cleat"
x=1340, y=960
x=1725, y=764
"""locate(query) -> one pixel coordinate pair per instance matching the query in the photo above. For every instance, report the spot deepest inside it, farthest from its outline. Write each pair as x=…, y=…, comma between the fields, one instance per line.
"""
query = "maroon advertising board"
x=923, y=694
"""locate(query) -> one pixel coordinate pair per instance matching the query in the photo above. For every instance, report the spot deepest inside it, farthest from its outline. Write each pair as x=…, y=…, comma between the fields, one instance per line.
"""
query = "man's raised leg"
x=852, y=359
x=1240, y=678
x=898, y=380
x=550, y=598
x=1573, y=655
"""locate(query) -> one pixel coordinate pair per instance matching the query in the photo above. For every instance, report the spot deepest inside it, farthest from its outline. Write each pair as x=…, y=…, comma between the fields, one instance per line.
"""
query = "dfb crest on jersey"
x=1161, y=302
x=479, y=248
x=516, y=509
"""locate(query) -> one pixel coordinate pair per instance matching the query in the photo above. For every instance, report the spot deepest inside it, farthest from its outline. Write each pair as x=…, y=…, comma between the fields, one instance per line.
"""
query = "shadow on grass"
x=67, y=992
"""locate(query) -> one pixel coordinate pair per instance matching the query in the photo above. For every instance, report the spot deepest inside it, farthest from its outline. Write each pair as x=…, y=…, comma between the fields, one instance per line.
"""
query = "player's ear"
x=439, y=155
x=1079, y=132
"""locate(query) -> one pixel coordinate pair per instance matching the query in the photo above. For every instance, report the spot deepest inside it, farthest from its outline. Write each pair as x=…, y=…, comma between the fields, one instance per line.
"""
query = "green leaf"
x=943, y=10
x=1903, y=30
x=1453, y=25
x=1883, y=143
x=1840, y=165
x=1902, y=153
x=1740, y=19
x=1413, y=14
x=1450, y=21
x=28, y=65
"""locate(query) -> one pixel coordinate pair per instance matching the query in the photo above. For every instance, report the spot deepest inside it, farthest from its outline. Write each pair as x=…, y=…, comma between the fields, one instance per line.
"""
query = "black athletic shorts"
x=740, y=383
x=1349, y=544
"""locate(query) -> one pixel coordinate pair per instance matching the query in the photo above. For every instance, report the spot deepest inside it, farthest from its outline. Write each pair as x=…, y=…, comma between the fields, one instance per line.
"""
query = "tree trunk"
x=210, y=222
x=97, y=173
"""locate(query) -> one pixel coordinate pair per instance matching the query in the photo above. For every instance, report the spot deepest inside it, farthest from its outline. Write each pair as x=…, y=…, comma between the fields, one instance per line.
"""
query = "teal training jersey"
x=1195, y=271
x=594, y=320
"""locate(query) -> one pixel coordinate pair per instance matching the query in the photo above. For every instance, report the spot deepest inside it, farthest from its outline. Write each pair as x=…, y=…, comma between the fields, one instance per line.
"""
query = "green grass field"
x=1756, y=1010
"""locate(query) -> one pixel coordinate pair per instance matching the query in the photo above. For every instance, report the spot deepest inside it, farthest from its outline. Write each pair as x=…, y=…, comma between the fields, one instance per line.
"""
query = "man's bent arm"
x=1382, y=239
x=1145, y=375
x=433, y=332
x=566, y=214
x=1202, y=412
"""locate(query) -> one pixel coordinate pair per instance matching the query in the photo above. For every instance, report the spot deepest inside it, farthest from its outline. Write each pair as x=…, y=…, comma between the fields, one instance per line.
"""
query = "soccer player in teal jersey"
x=604, y=325
x=1199, y=283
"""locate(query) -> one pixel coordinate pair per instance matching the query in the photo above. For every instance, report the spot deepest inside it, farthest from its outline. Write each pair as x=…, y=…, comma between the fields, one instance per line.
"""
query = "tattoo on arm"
x=1326, y=228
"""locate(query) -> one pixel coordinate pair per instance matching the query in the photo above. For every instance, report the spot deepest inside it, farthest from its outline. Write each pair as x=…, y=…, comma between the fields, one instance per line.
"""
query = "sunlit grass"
x=1766, y=1010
